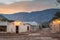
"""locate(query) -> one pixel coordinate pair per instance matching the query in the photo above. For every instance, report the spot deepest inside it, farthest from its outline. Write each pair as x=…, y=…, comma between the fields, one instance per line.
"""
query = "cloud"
x=27, y=6
x=11, y=1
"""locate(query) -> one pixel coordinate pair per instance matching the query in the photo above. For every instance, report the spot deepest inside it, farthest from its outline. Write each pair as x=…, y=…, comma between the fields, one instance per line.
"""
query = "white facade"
x=34, y=26
x=11, y=28
x=14, y=28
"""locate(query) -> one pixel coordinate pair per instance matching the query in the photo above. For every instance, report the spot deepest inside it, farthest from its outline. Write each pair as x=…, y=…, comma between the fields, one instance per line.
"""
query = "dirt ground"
x=41, y=35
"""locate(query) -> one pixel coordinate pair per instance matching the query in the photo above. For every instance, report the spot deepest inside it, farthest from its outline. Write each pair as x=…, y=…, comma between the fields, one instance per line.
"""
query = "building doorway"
x=17, y=29
x=28, y=28
x=3, y=28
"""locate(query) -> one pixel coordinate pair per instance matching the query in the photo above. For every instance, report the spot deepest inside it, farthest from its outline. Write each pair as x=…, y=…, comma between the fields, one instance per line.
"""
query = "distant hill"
x=38, y=16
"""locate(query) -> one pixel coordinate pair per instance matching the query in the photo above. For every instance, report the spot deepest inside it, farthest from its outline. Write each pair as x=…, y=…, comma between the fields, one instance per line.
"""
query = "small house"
x=15, y=26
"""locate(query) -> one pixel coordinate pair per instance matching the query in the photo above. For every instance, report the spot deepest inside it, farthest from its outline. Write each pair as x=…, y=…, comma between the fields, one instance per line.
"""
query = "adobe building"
x=12, y=26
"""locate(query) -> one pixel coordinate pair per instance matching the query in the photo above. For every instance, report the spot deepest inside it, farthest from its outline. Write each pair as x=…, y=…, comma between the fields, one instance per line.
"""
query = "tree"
x=58, y=1
x=57, y=15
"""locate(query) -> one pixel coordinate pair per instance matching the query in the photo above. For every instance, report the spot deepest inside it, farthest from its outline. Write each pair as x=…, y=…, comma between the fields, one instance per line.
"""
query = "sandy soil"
x=41, y=35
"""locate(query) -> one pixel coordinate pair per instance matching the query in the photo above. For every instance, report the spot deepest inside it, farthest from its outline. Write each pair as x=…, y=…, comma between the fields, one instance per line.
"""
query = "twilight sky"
x=12, y=6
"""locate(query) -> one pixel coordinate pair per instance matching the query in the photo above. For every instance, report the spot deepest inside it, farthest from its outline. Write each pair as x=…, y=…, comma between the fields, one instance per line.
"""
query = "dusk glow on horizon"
x=13, y=6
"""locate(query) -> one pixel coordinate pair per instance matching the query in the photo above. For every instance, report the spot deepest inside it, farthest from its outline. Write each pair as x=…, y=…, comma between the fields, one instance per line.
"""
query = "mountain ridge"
x=37, y=16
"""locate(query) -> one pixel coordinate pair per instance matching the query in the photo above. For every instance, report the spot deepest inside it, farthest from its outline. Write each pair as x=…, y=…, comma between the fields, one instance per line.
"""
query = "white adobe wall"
x=11, y=28
x=22, y=29
x=3, y=23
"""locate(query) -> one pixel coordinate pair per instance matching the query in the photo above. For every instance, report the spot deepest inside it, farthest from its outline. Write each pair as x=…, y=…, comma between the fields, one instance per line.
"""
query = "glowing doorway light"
x=56, y=21
x=18, y=23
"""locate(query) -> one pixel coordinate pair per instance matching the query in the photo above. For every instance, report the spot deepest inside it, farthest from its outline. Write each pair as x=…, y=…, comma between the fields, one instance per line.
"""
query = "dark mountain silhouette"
x=38, y=16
